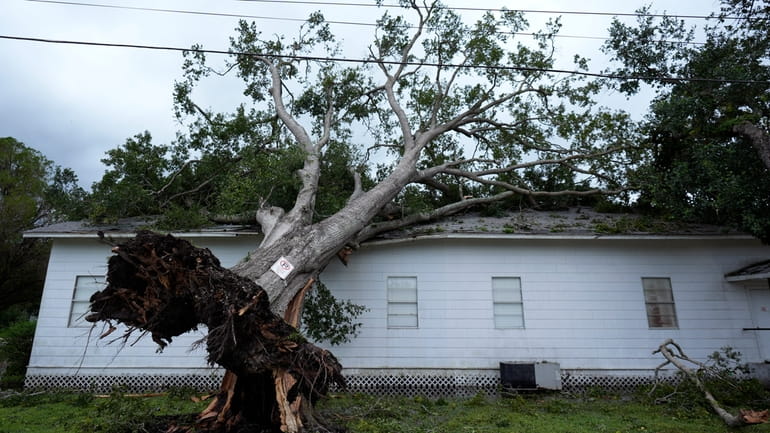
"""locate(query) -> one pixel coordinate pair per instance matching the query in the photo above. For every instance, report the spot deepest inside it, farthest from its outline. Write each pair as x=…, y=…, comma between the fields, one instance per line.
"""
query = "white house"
x=447, y=302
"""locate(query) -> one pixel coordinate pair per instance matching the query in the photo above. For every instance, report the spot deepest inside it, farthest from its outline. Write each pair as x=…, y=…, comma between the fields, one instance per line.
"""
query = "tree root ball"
x=165, y=286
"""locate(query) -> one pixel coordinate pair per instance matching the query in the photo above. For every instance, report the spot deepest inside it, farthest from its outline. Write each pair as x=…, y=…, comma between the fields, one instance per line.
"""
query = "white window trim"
x=519, y=303
x=78, y=300
x=390, y=303
x=672, y=303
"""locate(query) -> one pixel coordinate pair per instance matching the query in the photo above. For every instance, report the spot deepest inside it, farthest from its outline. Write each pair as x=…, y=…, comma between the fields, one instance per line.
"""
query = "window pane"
x=658, y=295
x=402, y=283
x=659, y=301
x=402, y=309
x=79, y=309
x=661, y=320
x=661, y=310
x=512, y=283
x=402, y=321
x=508, y=309
x=506, y=289
x=402, y=295
x=85, y=286
x=657, y=283
x=402, y=302
x=506, y=295
x=511, y=321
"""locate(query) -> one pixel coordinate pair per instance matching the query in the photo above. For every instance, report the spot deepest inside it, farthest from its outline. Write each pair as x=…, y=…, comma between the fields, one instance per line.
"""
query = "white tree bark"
x=759, y=138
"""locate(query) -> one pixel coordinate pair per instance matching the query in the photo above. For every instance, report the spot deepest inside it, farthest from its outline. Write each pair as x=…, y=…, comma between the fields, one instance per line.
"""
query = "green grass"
x=81, y=413
x=531, y=414
x=84, y=413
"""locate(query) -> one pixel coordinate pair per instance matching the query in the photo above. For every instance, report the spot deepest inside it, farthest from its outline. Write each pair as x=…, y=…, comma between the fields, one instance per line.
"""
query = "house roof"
x=573, y=223
x=756, y=271
x=127, y=227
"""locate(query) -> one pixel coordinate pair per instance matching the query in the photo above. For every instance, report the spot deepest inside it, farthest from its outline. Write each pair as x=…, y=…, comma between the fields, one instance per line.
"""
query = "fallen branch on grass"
x=675, y=355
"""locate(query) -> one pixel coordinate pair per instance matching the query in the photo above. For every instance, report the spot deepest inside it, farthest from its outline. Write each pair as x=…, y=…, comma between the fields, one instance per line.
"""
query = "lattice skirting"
x=132, y=383
x=458, y=384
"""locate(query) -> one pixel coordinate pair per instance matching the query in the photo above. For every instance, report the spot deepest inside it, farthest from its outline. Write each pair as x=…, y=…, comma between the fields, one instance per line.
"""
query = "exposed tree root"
x=165, y=286
x=675, y=355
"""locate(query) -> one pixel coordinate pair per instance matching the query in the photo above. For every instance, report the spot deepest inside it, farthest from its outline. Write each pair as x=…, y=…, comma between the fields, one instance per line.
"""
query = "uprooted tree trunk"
x=675, y=356
x=165, y=287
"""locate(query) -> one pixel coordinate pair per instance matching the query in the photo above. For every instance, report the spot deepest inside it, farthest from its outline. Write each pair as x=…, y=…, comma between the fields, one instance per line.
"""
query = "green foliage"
x=326, y=318
x=513, y=111
x=15, y=348
x=180, y=218
x=724, y=376
x=13, y=314
x=32, y=192
x=703, y=168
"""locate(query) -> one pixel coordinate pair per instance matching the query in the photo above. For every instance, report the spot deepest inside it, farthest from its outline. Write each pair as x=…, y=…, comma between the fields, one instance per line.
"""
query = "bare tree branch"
x=674, y=355
x=191, y=191
x=174, y=176
x=381, y=227
x=296, y=129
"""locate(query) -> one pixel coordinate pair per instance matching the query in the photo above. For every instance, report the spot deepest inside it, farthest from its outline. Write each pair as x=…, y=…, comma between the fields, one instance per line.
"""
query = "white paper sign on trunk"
x=282, y=267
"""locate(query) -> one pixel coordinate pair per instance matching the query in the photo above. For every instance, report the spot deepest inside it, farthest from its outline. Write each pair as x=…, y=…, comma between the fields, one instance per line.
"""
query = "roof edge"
x=125, y=235
x=738, y=278
x=522, y=236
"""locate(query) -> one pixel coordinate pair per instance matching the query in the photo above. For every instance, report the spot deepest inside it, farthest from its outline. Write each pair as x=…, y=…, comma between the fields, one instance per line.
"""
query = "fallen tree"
x=675, y=356
x=462, y=116
x=164, y=286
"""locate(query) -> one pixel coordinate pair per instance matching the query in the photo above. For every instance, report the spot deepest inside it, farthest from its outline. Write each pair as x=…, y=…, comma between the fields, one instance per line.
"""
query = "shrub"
x=15, y=349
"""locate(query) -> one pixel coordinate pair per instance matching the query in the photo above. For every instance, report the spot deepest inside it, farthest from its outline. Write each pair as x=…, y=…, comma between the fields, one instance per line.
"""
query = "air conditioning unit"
x=530, y=376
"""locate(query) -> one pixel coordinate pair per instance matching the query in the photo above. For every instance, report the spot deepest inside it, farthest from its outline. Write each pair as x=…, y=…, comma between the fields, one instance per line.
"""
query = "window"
x=402, y=302
x=507, y=303
x=85, y=286
x=659, y=299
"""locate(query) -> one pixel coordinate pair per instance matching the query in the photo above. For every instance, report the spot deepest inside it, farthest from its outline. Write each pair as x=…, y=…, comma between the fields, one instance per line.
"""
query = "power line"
x=387, y=62
x=460, y=8
x=390, y=6
x=351, y=23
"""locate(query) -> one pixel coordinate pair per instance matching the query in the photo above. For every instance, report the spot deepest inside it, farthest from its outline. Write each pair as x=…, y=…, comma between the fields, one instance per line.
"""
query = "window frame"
x=78, y=299
x=499, y=302
x=396, y=301
x=653, y=304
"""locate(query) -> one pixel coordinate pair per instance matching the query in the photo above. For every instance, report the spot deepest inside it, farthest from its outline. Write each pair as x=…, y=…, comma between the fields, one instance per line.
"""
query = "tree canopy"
x=475, y=103
x=32, y=192
x=710, y=131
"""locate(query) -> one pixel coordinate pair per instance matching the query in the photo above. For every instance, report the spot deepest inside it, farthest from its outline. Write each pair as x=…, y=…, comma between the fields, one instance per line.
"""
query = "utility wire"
x=350, y=23
x=460, y=8
x=370, y=5
x=388, y=62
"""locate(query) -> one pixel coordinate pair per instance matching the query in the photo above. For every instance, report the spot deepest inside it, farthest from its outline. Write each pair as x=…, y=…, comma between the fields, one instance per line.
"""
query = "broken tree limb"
x=675, y=356
x=164, y=286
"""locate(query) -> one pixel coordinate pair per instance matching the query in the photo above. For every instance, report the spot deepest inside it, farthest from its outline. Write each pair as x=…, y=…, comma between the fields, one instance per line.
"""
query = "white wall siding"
x=583, y=305
x=62, y=350
x=583, y=302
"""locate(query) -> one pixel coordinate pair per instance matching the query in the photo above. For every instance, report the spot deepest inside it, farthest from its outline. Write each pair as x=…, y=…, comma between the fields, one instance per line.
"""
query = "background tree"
x=32, y=192
x=710, y=138
x=440, y=116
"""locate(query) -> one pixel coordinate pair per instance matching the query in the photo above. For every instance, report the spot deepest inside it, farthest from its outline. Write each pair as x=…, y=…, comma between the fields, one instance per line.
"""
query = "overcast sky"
x=73, y=103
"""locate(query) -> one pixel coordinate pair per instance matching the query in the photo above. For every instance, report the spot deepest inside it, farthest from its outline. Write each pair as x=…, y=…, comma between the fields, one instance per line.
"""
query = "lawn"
x=541, y=413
